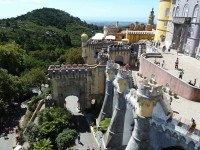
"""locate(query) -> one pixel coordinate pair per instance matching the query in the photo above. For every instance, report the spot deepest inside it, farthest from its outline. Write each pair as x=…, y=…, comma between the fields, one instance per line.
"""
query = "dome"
x=84, y=36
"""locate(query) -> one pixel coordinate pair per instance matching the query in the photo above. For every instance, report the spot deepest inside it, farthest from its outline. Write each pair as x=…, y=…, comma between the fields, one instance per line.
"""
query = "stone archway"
x=119, y=60
x=64, y=87
x=72, y=103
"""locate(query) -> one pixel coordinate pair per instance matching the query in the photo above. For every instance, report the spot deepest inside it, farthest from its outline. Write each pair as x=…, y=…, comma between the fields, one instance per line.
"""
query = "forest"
x=30, y=43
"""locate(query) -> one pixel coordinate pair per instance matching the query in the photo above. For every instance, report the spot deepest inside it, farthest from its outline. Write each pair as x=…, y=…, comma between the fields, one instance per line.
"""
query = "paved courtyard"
x=189, y=65
x=185, y=108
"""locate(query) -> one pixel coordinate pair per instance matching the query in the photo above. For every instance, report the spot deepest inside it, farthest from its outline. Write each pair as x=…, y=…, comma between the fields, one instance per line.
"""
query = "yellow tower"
x=163, y=18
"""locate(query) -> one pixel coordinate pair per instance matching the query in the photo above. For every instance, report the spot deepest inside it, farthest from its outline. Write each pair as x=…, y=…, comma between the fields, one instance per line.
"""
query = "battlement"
x=121, y=47
x=97, y=44
x=149, y=91
x=139, y=32
x=68, y=70
x=183, y=134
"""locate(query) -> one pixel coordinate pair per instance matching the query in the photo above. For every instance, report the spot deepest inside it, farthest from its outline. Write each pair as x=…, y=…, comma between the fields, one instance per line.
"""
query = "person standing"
x=195, y=81
x=163, y=64
x=176, y=63
x=181, y=74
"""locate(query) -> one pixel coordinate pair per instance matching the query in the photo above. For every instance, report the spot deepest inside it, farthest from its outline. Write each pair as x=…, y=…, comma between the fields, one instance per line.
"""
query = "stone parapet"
x=119, y=47
x=67, y=70
x=180, y=131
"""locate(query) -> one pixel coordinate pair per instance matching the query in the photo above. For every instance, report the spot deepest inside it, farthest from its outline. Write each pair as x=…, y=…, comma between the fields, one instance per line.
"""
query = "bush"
x=66, y=139
x=35, y=99
x=104, y=124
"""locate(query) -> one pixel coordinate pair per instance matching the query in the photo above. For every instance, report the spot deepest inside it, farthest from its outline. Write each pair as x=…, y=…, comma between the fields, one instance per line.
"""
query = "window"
x=173, y=13
x=191, y=30
x=195, y=14
x=177, y=12
x=167, y=12
x=165, y=23
x=185, y=11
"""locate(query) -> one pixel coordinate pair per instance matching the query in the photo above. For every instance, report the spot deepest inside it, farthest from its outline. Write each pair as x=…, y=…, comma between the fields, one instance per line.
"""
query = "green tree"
x=6, y=86
x=66, y=139
x=32, y=132
x=34, y=77
x=57, y=114
x=2, y=108
x=44, y=144
x=11, y=58
x=74, y=56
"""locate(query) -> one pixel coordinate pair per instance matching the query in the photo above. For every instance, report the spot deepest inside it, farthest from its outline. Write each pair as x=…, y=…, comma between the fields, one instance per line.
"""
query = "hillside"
x=45, y=28
x=30, y=43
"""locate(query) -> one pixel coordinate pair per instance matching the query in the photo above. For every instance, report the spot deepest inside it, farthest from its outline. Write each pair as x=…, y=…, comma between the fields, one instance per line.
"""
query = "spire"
x=151, y=17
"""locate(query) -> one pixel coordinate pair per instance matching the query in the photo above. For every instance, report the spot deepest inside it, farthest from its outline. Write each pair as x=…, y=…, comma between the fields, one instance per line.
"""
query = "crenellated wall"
x=79, y=80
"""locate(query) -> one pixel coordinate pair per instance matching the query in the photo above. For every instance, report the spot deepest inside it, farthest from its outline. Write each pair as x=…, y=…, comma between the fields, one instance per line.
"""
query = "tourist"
x=163, y=64
x=79, y=138
x=170, y=102
x=164, y=48
x=176, y=63
x=195, y=81
x=169, y=49
x=181, y=74
x=190, y=82
x=193, y=123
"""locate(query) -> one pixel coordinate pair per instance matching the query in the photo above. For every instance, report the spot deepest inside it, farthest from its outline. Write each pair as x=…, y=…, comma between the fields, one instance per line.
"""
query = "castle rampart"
x=183, y=89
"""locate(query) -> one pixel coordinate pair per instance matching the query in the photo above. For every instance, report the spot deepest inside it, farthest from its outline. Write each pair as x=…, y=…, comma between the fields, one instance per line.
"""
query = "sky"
x=89, y=10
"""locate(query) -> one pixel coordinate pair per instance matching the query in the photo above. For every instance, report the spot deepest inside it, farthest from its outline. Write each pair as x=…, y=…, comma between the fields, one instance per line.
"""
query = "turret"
x=150, y=24
x=147, y=97
x=106, y=110
x=84, y=39
x=114, y=139
x=163, y=18
x=105, y=30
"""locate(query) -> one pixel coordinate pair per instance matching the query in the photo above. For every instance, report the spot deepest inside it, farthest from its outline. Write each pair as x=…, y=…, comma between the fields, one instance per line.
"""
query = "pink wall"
x=162, y=77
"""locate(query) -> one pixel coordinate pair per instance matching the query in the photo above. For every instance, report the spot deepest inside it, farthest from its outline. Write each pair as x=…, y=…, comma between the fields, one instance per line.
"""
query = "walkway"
x=190, y=66
x=87, y=138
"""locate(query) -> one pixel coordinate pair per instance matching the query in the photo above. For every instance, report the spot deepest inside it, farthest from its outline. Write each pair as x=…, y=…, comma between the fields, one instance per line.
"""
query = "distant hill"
x=45, y=28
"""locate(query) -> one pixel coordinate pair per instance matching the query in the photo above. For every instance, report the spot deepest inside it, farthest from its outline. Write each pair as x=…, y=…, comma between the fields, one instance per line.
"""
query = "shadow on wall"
x=173, y=148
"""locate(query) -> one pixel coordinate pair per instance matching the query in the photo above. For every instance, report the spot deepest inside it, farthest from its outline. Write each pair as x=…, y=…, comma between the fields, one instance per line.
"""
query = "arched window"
x=195, y=13
x=173, y=13
x=185, y=11
x=177, y=12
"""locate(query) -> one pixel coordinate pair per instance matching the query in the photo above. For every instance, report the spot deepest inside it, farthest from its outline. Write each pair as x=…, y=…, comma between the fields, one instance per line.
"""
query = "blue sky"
x=96, y=10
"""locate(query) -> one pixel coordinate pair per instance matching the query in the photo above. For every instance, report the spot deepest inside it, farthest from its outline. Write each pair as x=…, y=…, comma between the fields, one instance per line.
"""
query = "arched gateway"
x=79, y=80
